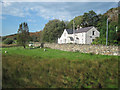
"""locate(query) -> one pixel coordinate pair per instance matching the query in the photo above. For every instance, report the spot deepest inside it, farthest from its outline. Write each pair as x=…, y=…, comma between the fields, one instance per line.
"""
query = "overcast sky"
x=37, y=14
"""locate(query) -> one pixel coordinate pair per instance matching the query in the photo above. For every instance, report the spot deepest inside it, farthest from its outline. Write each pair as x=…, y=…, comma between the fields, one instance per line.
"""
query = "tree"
x=118, y=32
x=4, y=38
x=112, y=34
x=23, y=34
x=101, y=26
x=52, y=30
x=8, y=41
x=40, y=38
x=34, y=38
x=90, y=19
x=78, y=21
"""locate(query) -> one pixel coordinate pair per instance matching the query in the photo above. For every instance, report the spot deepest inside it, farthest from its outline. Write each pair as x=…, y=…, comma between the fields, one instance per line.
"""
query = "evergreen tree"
x=90, y=19
x=23, y=34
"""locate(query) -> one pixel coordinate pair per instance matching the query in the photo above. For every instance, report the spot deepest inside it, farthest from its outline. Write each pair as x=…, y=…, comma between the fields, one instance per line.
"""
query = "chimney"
x=78, y=27
x=81, y=26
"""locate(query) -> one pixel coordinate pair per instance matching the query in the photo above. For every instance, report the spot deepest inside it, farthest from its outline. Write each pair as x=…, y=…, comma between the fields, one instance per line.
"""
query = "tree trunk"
x=24, y=46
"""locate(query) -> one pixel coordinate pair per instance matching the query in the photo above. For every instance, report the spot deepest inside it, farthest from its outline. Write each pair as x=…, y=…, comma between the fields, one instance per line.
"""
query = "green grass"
x=53, y=54
x=34, y=68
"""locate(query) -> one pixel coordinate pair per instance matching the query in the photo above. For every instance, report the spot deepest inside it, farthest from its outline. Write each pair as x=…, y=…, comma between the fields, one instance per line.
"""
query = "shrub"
x=38, y=47
x=15, y=38
x=77, y=51
x=92, y=53
x=3, y=38
x=115, y=42
x=42, y=45
x=8, y=41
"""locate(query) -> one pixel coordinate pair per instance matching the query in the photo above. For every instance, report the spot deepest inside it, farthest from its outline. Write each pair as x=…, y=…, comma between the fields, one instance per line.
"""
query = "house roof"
x=80, y=30
x=69, y=31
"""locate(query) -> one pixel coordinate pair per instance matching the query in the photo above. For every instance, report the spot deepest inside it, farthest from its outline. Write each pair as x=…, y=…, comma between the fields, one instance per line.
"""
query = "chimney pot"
x=78, y=27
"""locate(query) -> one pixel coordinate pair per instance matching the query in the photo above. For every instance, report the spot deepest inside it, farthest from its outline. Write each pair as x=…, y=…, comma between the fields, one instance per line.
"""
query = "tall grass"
x=34, y=68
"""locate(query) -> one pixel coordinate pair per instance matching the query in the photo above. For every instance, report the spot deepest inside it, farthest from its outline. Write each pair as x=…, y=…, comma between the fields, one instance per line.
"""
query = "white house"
x=80, y=35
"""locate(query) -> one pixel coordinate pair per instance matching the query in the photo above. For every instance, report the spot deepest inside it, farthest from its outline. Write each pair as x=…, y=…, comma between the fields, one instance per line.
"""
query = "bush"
x=8, y=41
x=99, y=40
x=115, y=42
x=3, y=38
x=42, y=45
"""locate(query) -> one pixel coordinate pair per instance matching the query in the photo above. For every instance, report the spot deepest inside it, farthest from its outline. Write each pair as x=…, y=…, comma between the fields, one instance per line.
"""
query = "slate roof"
x=80, y=30
x=69, y=31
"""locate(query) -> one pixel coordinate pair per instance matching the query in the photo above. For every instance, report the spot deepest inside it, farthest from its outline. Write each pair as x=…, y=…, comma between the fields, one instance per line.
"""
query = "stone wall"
x=96, y=49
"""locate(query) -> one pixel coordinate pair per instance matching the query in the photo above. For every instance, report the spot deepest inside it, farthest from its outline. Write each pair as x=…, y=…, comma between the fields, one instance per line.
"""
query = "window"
x=71, y=39
x=65, y=40
x=93, y=33
x=82, y=41
x=77, y=38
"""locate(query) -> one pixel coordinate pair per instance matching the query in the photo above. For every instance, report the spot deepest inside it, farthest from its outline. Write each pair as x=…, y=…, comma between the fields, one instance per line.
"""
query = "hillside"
x=31, y=34
x=113, y=12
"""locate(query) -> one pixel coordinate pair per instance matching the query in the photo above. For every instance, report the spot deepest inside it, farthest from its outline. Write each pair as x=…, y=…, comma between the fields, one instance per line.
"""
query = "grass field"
x=34, y=68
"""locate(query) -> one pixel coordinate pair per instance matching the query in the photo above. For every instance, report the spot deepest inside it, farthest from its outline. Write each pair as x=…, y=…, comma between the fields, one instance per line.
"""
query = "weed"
x=25, y=68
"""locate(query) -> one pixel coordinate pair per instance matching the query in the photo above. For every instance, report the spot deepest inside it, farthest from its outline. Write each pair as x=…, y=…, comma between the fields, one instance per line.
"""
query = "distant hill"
x=113, y=12
x=35, y=33
x=10, y=36
x=31, y=34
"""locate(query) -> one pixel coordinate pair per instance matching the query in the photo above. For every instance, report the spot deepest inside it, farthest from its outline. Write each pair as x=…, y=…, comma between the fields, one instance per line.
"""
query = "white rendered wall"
x=84, y=37
x=89, y=33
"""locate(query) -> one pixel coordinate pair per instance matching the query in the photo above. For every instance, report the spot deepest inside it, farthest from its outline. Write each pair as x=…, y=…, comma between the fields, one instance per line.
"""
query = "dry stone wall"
x=96, y=49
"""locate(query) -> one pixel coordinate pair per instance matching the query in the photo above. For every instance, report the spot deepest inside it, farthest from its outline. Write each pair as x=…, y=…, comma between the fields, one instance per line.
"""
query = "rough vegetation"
x=34, y=68
x=8, y=41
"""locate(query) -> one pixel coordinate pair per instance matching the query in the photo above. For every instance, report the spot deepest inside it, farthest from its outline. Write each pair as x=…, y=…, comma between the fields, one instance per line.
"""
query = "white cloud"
x=52, y=13
x=31, y=20
x=14, y=9
x=6, y=4
x=61, y=0
x=54, y=10
x=45, y=10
